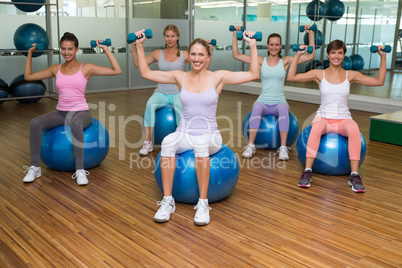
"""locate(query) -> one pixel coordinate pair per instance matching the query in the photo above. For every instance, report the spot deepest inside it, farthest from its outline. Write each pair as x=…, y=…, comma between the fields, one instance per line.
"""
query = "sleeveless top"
x=272, y=83
x=199, y=111
x=163, y=65
x=334, y=99
x=71, y=89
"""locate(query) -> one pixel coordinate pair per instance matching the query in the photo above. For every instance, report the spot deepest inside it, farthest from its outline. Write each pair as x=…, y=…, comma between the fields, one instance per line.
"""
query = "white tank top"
x=334, y=99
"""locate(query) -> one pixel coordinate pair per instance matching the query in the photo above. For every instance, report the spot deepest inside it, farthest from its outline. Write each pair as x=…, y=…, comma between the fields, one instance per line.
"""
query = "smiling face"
x=171, y=38
x=68, y=50
x=198, y=56
x=274, y=46
x=336, y=56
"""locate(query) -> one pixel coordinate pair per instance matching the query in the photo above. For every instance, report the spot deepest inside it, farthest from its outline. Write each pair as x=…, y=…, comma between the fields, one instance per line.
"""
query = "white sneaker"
x=81, y=176
x=167, y=207
x=33, y=173
x=146, y=148
x=283, y=153
x=202, y=213
x=249, y=150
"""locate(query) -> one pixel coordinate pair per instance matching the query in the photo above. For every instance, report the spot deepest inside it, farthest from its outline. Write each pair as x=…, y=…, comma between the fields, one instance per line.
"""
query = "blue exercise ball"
x=347, y=63
x=20, y=87
x=27, y=7
x=357, y=62
x=314, y=64
x=224, y=174
x=315, y=10
x=318, y=39
x=30, y=33
x=325, y=63
x=57, y=148
x=165, y=123
x=332, y=156
x=4, y=89
x=334, y=10
x=268, y=136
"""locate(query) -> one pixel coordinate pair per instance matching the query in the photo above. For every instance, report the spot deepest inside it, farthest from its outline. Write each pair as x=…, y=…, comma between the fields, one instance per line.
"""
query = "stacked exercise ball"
x=314, y=64
x=332, y=156
x=27, y=7
x=4, y=89
x=224, y=174
x=334, y=10
x=268, y=136
x=30, y=33
x=315, y=10
x=20, y=87
x=347, y=63
x=318, y=39
x=57, y=148
x=357, y=62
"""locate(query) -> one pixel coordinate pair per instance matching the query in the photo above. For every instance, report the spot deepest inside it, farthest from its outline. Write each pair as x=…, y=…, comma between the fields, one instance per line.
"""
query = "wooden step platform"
x=387, y=127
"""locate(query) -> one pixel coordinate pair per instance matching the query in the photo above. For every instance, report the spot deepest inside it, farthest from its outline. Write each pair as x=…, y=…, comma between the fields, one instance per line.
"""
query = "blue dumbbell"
x=39, y=46
x=233, y=28
x=213, y=42
x=386, y=49
x=107, y=42
x=312, y=27
x=132, y=37
x=257, y=36
x=296, y=47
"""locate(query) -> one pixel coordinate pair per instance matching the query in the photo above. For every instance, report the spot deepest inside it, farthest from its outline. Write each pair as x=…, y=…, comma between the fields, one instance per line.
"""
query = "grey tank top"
x=163, y=65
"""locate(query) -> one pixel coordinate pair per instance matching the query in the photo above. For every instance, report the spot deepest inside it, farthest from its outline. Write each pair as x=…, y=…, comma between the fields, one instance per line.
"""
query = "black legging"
x=78, y=121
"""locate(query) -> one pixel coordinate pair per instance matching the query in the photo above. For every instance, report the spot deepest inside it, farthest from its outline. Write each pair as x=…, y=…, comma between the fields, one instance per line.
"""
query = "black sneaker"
x=305, y=179
x=356, y=182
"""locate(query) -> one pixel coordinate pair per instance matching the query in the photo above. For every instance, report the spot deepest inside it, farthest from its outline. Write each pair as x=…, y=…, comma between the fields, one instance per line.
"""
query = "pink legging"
x=344, y=127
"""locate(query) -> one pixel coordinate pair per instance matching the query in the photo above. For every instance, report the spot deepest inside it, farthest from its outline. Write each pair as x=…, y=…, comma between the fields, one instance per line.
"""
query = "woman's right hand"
x=33, y=48
x=141, y=36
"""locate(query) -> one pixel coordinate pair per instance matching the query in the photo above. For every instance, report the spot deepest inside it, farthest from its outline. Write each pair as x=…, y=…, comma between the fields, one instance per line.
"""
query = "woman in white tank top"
x=333, y=114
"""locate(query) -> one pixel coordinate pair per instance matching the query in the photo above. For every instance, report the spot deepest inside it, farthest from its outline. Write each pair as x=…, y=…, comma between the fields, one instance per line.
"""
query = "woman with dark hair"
x=198, y=129
x=272, y=98
x=168, y=59
x=72, y=109
x=333, y=114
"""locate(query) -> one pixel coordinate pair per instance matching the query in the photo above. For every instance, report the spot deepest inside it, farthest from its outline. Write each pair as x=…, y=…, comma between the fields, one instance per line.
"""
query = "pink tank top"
x=71, y=89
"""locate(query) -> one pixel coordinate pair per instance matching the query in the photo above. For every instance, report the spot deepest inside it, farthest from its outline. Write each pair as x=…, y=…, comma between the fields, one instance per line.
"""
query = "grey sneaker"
x=166, y=208
x=249, y=150
x=305, y=179
x=283, y=153
x=202, y=214
x=356, y=182
x=33, y=173
x=146, y=148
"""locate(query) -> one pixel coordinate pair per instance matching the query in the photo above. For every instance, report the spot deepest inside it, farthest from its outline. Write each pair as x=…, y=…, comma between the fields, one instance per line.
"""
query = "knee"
x=35, y=123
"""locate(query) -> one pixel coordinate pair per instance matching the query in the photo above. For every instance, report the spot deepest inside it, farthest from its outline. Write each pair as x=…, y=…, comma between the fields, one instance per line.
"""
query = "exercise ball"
x=334, y=10
x=314, y=64
x=357, y=62
x=224, y=174
x=315, y=10
x=332, y=156
x=325, y=63
x=268, y=136
x=27, y=7
x=347, y=63
x=30, y=33
x=318, y=39
x=20, y=87
x=4, y=89
x=165, y=123
x=57, y=148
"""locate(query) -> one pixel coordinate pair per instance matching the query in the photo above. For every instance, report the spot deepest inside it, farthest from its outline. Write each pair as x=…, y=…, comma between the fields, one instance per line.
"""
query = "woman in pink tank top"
x=72, y=109
x=333, y=114
x=199, y=92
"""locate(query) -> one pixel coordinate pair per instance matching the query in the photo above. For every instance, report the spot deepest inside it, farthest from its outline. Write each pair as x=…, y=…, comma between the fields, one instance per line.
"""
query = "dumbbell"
x=386, y=49
x=233, y=28
x=257, y=36
x=312, y=27
x=213, y=42
x=132, y=37
x=296, y=47
x=107, y=42
x=39, y=46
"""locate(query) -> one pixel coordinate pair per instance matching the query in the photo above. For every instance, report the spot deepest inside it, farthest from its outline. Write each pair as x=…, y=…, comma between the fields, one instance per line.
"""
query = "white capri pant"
x=180, y=142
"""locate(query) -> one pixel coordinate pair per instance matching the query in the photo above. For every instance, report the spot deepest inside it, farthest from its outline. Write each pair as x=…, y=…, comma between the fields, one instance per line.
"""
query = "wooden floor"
x=267, y=221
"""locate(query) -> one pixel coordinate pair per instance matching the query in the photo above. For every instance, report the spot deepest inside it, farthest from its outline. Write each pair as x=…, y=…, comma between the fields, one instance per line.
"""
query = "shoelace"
x=28, y=169
x=75, y=175
x=203, y=207
x=306, y=175
x=249, y=149
x=164, y=206
x=281, y=148
x=357, y=179
x=145, y=146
